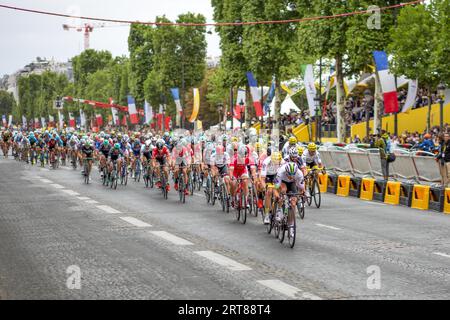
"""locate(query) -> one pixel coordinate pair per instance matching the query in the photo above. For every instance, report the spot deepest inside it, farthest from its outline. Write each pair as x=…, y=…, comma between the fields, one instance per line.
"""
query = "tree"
x=7, y=103
x=327, y=38
x=441, y=39
x=266, y=46
x=412, y=47
x=140, y=46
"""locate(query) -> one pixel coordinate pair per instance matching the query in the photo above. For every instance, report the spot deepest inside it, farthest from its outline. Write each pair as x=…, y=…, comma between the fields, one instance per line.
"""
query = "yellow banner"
x=196, y=105
x=199, y=125
x=287, y=89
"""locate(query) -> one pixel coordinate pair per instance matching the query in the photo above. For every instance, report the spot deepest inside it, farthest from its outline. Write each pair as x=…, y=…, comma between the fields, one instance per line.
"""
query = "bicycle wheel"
x=86, y=173
x=208, y=190
x=115, y=180
x=244, y=209
x=317, y=195
x=239, y=207
x=301, y=208
x=291, y=237
x=126, y=176
x=213, y=193
x=309, y=196
x=222, y=198
x=254, y=202
x=181, y=189
x=282, y=233
x=151, y=179
x=191, y=184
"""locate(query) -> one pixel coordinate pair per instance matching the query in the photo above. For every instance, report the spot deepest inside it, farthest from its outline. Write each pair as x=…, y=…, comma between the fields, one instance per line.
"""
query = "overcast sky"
x=25, y=36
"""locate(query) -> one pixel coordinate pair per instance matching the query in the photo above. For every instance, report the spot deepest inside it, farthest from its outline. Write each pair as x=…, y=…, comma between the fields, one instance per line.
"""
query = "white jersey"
x=269, y=168
x=283, y=177
x=220, y=160
x=309, y=159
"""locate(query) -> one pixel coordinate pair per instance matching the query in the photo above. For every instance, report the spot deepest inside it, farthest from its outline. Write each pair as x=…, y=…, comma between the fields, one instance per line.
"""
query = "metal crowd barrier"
x=364, y=163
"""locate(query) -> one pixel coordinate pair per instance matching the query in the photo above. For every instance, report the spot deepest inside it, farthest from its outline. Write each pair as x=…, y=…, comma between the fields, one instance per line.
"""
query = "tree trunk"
x=277, y=110
x=340, y=100
x=429, y=110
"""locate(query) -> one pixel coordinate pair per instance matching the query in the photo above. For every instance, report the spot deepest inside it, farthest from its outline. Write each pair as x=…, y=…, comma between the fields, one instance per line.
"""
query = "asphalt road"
x=129, y=243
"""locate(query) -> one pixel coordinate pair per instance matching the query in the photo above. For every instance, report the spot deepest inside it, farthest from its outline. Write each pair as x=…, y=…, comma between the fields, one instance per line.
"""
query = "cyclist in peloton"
x=269, y=171
x=311, y=156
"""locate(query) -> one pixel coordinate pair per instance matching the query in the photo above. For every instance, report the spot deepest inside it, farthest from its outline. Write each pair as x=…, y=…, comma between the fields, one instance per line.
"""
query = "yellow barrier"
x=447, y=201
x=420, y=197
x=343, y=186
x=392, y=195
x=323, y=182
x=367, y=186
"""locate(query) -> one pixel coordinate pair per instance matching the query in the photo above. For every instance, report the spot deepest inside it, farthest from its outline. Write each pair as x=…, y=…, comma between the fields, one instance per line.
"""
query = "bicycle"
x=124, y=173
x=313, y=188
x=163, y=182
x=137, y=170
x=113, y=177
x=281, y=227
x=241, y=212
x=53, y=159
x=86, y=170
x=148, y=175
x=181, y=185
x=224, y=196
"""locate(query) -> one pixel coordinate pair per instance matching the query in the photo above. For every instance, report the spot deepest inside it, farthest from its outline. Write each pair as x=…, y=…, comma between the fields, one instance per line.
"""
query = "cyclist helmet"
x=312, y=147
x=258, y=146
x=276, y=157
x=160, y=144
x=427, y=136
x=117, y=146
x=235, y=139
x=300, y=150
x=88, y=143
x=224, y=137
x=293, y=153
x=292, y=141
x=291, y=169
x=106, y=143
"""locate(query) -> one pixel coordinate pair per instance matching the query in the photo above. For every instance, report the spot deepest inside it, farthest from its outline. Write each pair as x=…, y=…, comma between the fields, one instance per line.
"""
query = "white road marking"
x=108, y=209
x=223, y=261
x=43, y=169
x=198, y=195
x=172, y=238
x=442, y=254
x=325, y=226
x=91, y=201
x=136, y=222
x=71, y=192
x=83, y=198
x=46, y=181
x=287, y=289
x=57, y=186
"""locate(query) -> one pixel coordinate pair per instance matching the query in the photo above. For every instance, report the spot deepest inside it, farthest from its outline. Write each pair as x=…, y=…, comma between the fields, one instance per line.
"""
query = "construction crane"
x=87, y=28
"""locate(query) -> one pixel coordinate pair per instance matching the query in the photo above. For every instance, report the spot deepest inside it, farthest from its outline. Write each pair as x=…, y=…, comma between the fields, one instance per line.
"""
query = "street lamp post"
x=367, y=99
x=317, y=115
x=241, y=103
x=441, y=94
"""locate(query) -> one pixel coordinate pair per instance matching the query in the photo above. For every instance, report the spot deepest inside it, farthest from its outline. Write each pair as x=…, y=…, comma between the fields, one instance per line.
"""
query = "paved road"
x=129, y=243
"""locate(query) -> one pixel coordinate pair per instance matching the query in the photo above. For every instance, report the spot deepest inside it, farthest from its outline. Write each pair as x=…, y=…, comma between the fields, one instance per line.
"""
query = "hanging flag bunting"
x=61, y=119
x=134, y=116
x=24, y=122
x=115, y=115
x=196, y=107
x=447, y=97
x=10, y=120
x=240, y=104
x=82, y=119
x=99, y=119
x=310, y=89
x=176, y=98
x=4, y=120
x=411, y=96
x=387, y=82
x=256, y=94
x=270, y=97
x=71, y=120
x=43, y=122
x=148, y=112
x=124, y=121
x=167, y=123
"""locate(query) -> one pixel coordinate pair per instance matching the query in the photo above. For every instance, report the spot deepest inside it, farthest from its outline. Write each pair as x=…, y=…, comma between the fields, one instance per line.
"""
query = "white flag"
x=10, y=120
x=115, y=115
x=411, y=97
x=61, y=119
x=148, y=112
x=43, y=121
x=310, y=89
x=24, y=121
x=82, y=118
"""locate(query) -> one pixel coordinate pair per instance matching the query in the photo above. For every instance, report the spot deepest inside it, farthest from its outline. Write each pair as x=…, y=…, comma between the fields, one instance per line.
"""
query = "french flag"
x=256, y=94
x=176, y=98
x=99, y=119
x=387, y=82
x=134, y=116
x=71, y=120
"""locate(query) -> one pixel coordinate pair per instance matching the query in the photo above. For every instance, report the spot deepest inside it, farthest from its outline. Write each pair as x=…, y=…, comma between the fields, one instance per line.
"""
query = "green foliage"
x=7, y=102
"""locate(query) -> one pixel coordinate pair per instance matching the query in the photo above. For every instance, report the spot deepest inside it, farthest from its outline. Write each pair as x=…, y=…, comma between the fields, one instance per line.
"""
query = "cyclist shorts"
x=223, y=170
x=270, y=178
x=161, y=161
x=291, y=187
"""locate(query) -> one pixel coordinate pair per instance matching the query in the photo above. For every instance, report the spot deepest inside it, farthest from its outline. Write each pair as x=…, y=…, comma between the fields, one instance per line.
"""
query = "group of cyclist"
x=240, y=161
